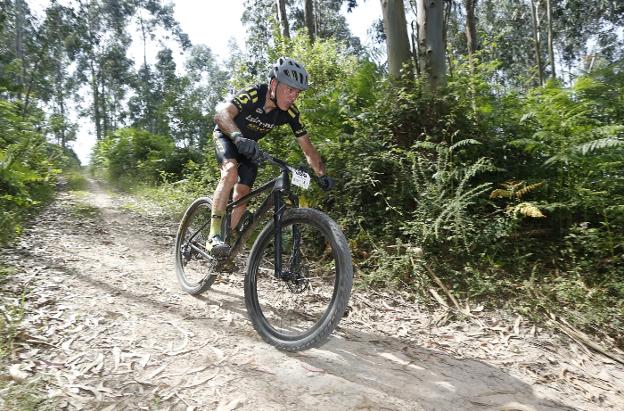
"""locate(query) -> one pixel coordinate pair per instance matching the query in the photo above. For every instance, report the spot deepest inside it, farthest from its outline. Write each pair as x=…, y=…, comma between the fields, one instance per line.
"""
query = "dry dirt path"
x=107, y=328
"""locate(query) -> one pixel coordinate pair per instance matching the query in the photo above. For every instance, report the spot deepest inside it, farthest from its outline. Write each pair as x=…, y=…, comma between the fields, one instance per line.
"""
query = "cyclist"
x=244, y=120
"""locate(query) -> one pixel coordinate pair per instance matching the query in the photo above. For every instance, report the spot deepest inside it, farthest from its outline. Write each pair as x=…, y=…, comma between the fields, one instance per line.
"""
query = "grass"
x=11, y=315
x=173, y=198
x=24, y=396
x=76, y=181
x=16, y=395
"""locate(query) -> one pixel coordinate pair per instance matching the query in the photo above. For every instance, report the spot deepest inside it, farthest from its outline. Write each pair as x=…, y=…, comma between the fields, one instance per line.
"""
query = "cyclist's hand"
x=326, y=183
x=261, y=158
x=247, y=147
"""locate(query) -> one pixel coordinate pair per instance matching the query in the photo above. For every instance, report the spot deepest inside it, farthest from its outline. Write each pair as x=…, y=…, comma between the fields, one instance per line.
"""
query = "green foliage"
x=29, y=166
x=515, y=193
x=75, y=180
x=503, y=192
x=9, y=324
x=134, y=155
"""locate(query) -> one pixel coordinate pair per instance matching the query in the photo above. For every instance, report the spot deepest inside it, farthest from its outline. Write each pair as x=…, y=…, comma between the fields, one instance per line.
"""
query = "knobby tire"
x=301, y=314
x=195, y=273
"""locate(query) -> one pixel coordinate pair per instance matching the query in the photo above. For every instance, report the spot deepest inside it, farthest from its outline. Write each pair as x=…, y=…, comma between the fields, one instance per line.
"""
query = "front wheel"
x=195, y=269
x=300, y=310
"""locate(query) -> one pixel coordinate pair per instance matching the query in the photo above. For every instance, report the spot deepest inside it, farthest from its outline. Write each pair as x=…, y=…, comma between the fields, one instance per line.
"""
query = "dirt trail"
x=108, y=328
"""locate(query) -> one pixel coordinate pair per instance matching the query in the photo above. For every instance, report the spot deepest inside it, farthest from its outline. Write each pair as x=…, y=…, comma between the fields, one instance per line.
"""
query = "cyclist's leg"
x=247, y=172
x=227, y=156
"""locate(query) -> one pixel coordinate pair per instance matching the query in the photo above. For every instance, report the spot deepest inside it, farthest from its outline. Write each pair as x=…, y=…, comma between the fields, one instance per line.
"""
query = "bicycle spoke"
x=194, y=266
x=295, y=306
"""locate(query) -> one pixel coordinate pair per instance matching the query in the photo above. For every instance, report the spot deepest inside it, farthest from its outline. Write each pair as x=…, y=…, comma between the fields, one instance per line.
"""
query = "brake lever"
x=262, y=158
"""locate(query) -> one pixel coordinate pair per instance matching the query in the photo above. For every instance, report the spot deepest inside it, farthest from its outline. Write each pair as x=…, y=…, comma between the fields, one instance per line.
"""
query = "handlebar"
x=264, y=157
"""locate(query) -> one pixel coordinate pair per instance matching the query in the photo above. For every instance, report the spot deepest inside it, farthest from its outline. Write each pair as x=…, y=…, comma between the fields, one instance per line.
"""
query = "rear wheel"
x=301, y=310
x=195, y=269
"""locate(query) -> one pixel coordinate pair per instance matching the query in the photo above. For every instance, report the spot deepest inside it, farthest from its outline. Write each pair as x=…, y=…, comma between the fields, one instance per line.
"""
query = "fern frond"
x=424, y=144
x=599, y=144
x=463, y=143
x=520, y=193
x=527, y=116
x=559, y=158
x=526, y=209
x=500, y=193
x=611, y=130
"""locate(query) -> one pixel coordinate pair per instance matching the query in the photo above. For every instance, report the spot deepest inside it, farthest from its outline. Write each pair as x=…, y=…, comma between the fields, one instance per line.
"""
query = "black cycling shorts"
x=225, y=149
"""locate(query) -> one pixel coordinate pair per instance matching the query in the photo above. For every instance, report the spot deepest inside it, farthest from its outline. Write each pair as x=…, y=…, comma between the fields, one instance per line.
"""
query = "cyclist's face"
x=286, y=96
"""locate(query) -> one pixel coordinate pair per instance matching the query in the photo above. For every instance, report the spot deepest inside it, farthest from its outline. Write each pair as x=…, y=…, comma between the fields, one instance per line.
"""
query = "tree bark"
x=309, y=19
x=551, y=53
x=19, y=44
x=96, y=102
x=431, y=41
x=471, y=26
x=283, y=18
x=536, y=39
x=397, y=42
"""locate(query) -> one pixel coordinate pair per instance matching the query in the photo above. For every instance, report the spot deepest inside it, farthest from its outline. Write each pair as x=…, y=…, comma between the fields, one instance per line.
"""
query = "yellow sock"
x=215, y=224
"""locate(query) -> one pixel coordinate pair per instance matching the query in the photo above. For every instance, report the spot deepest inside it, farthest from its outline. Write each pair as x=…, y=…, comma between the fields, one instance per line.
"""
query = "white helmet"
x=287, y=70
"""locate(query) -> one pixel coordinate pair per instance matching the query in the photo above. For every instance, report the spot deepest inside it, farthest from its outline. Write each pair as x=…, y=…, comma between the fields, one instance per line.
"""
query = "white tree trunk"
x=551, y=53
x=536, y=39
x=397, y=42
x=431, y=41
x=309, y=18
x=471, y=26
x=282, y=18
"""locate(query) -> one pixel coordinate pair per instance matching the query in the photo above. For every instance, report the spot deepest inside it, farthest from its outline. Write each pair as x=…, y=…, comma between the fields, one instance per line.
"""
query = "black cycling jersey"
x=252, y=120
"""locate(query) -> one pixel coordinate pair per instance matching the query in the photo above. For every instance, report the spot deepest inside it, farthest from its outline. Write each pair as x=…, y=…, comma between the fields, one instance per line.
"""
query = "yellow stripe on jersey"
x=243, y=98
x=253, y=100
x=292, y=113
x=253, y=92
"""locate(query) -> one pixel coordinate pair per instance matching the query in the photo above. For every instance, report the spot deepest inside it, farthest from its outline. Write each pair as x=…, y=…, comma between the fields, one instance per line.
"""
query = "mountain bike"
x=299, y=271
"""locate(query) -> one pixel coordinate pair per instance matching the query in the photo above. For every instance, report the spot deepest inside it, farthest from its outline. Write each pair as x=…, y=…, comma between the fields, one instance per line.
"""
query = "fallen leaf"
x=116, y=357
x=232, y=405
x=16, y=373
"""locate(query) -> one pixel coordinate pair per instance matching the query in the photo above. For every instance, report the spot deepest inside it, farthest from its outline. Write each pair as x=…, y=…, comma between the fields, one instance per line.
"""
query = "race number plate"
x=300, y=178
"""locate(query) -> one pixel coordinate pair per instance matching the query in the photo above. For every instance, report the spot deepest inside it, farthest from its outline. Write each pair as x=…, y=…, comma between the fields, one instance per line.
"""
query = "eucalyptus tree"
x=397, y=42
x=149, y=16
x=326, y=20
x=309, y=18
x=207, y=87
x=282, y=17
x=535, y=20
x=21, y=51
x=103, y=36
x=431, y=44
x=472, y=42
x=258, y=18
x=60, y=87
x=572, y=34
x=99, y=34
x=168, y=88
x=584, y=29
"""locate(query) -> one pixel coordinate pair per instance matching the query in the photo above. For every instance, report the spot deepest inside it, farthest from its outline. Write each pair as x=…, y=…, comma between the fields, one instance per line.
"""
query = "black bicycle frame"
x=279, y=187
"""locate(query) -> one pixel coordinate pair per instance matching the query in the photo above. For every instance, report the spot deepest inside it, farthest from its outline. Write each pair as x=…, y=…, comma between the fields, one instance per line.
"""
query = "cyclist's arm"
x=225, y=119
x=311, y=154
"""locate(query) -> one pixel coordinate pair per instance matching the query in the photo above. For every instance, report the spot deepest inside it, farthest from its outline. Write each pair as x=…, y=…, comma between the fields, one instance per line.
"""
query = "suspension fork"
x=282, y=189
x=295, y=260
x=280, y=207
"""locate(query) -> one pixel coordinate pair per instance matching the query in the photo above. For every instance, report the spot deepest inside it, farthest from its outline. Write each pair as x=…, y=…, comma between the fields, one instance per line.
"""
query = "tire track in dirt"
x=116, y=332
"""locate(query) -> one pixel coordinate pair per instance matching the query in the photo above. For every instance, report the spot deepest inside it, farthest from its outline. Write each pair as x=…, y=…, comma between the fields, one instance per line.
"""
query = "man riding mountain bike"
x=248, y=117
